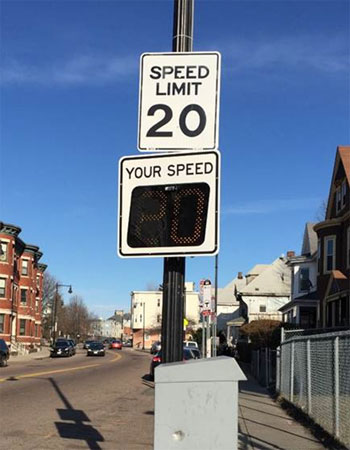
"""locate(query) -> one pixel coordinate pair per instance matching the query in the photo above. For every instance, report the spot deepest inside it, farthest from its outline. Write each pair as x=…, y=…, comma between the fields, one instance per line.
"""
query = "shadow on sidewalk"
x=75, y=429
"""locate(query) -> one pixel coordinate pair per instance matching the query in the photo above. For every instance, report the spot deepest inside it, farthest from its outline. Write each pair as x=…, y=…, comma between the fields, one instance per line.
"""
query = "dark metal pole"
x=174, y=268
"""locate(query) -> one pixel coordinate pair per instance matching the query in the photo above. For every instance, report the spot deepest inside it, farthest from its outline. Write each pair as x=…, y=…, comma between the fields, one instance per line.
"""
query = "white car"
x=190, y=344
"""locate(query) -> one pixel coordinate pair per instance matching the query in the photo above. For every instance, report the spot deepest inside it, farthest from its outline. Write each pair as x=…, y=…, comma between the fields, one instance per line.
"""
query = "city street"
x=77, y=402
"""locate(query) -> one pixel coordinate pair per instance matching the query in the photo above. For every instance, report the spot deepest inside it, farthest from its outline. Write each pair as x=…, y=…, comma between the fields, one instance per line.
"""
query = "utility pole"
x=143, y=326
x=174, y=267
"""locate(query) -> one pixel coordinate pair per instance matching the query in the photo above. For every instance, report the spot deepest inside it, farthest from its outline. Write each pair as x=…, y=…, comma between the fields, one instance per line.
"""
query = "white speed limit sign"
x=179, y=101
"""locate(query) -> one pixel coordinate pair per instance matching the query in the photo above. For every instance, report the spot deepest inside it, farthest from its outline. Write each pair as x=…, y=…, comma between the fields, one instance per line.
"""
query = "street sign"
x=179, y=101
x=169, y=205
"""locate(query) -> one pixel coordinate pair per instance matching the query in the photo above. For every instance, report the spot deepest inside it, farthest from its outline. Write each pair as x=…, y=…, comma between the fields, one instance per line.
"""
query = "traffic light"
x=168, y=215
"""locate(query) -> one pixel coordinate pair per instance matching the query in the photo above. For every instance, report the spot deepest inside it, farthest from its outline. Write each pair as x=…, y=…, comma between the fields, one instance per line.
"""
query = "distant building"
x=146, y=314
x=21, y=289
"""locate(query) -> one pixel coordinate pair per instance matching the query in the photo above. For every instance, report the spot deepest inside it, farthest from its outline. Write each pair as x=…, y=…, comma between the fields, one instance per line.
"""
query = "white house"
x=268, y=288
x=303, y=307
x=146, y=314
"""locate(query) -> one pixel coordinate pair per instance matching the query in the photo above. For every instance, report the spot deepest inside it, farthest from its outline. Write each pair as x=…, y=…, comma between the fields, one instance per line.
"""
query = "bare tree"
x=49, y=292
x=321, y=212
x=75, y=318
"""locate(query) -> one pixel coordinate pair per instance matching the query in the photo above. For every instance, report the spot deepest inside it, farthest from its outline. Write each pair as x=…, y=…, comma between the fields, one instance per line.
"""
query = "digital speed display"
x=168, y=215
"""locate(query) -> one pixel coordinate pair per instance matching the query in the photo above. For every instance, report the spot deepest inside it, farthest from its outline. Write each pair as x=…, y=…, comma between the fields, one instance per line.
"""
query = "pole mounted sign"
x=169, y=205
x=179, y=101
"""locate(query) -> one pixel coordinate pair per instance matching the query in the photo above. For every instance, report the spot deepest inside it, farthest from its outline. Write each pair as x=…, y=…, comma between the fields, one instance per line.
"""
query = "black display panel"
x=173, y=215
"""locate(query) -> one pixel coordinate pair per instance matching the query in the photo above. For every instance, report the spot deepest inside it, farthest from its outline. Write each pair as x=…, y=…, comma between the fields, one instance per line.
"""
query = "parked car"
x=87, y=343
x=4, y=353
x=156, y=346
x=191, y=344
x=157, y=359
x=117, y=344
x=127, y=343
x=96, y=349
x=61, y=348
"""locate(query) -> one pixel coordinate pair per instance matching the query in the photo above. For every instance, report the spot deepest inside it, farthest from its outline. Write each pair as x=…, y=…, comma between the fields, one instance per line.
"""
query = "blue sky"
x=69, y=105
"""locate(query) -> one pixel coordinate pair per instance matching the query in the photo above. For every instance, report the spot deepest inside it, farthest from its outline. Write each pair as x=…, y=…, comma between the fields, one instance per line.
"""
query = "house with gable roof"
x=333, y=254
x=303, y=307
x=267, y=289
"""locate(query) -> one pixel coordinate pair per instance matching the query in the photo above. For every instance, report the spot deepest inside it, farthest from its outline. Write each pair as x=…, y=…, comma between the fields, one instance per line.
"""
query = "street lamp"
x=54, y=309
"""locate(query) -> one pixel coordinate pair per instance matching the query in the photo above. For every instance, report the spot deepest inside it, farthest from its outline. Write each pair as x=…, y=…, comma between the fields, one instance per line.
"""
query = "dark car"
x=157, y=359
x=156, y=346
x=87, y=343
x=96, y=349
x=4, y=353
x=71, y=342
x=61, y=348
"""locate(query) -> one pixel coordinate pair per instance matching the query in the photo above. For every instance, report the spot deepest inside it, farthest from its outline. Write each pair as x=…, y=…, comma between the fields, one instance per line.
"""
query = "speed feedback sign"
x=179, y=101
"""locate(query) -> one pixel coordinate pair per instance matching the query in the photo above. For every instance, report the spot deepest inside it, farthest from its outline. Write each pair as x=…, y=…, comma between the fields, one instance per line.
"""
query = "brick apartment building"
x=21, y=286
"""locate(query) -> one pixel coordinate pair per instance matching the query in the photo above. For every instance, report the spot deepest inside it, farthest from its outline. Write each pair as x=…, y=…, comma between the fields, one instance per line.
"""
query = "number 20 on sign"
x=168, y=205
x=179, y=101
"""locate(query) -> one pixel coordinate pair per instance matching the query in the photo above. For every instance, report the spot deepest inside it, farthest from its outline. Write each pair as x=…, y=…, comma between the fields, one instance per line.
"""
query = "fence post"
x=258, y=364
x=282, y=335
x=336, y=386
x=266, y=366
x=291, y=394
x=308, y=371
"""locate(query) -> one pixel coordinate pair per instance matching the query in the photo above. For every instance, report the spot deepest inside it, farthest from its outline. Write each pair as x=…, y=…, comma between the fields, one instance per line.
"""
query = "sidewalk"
x=43, y=353
x=262, y=424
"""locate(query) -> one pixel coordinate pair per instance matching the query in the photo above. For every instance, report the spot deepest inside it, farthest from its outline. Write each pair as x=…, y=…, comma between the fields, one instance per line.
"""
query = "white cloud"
x=270, y=206
x=303, y=52
x=81, y=70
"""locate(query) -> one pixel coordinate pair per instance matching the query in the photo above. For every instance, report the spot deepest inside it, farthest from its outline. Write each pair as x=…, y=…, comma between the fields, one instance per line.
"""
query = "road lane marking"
x=49, y=372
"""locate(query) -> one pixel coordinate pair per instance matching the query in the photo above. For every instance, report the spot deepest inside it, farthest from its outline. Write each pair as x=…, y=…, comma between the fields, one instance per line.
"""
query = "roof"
x=342, y=156
x=275, y=279
x=344, y=153
x=338, y=282
x=227, y=295
x=309, y=240
x=258, y=269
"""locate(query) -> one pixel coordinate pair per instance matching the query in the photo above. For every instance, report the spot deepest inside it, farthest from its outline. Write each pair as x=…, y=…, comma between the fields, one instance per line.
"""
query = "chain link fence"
x=313, y=372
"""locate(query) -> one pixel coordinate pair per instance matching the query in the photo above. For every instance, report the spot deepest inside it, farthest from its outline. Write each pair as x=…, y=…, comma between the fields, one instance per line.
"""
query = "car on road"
x=4, y=353
x=87, y=343
x=127, y=343
x=117, y=344
x=156, y=346
x=96, y=349
x=157, y=359
x=71, y=342
x=61, y=348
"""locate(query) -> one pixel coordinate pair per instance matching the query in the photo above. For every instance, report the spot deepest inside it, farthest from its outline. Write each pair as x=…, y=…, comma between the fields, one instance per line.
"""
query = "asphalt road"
x=77, y=403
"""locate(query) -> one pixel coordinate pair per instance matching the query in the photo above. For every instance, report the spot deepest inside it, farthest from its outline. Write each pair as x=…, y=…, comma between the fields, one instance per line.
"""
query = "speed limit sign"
x=179, y=101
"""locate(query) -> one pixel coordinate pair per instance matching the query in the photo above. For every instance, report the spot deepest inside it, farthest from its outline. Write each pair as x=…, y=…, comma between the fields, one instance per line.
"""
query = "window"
x=2, y=287
x=338, y=200
x=22, y=327
x=304, y=279
x=3, y=252
x=36, y=305
x=158, y=302
x=23, y=295
x=319, y=261
x=24, y=267
x=2, y=323
x=38, y=281
x=158, y=318
x=329, y=253
x=262, y=308
x=343, y=193
x=140, y=317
